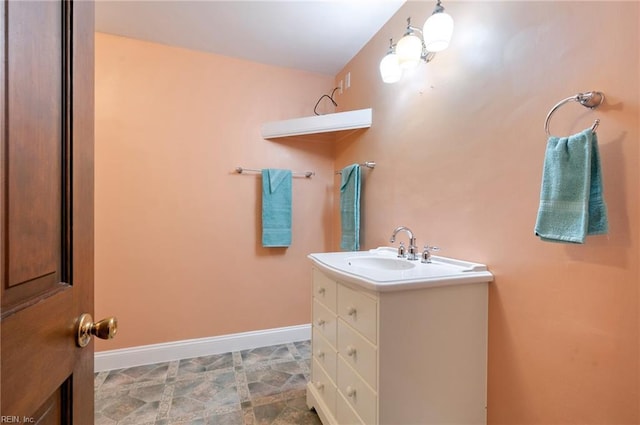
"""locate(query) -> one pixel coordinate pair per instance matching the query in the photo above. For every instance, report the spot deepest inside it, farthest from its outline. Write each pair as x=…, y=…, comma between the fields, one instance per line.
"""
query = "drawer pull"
x=351, y=351
x=351, y=311
x=321, y=291
x=321, y=322
x=320, y=354
x=351, y=392
x=319, y=385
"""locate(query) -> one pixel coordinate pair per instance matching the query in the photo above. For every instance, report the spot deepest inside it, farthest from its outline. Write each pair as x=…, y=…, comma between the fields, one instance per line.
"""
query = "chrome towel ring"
x=591, y=100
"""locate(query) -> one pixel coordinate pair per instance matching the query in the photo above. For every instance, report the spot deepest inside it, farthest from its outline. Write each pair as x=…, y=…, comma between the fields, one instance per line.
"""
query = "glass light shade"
x=409, y=51
x=437, y=31
x=390, y=68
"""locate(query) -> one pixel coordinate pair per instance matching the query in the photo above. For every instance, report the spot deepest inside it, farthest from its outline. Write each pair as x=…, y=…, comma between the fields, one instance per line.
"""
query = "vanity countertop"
x=380, y=270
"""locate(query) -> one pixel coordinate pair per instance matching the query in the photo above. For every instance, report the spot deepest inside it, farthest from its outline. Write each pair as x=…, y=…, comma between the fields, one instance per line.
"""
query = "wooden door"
x=46, y=210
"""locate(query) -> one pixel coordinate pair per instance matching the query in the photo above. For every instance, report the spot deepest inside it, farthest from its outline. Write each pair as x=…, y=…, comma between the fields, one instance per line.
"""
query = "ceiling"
x=316, y=36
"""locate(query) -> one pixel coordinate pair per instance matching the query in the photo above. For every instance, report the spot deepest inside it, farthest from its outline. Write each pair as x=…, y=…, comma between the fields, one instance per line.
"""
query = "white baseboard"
x=157, y=353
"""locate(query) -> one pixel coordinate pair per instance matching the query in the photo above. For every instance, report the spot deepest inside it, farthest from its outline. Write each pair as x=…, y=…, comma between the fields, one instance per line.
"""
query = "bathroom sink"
x=380, y=263
x=381, y=270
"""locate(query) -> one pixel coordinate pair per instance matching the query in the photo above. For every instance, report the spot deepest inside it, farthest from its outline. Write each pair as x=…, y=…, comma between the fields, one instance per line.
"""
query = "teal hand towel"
x=350, y=208
x=598, y=220
x=571, y=199
x=276, y=208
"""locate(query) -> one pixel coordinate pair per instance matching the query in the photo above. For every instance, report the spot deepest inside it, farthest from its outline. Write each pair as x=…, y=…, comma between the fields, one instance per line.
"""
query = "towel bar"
x=591, y=100
x=306, y=174
x=368, y=164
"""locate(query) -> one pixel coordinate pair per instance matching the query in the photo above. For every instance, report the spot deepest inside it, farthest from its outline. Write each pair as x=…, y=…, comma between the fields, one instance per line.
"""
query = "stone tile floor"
x=263, y=386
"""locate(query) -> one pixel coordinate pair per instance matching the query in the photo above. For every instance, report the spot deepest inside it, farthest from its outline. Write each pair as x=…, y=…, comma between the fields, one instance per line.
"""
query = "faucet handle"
x=402, y=251
x=426, y=253
x=413, y=250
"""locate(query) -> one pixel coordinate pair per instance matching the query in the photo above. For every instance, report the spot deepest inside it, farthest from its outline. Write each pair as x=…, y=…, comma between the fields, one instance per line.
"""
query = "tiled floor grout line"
x=165, y=402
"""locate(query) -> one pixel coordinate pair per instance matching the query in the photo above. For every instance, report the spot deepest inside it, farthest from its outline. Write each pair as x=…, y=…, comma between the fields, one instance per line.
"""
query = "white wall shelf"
x=329, y=123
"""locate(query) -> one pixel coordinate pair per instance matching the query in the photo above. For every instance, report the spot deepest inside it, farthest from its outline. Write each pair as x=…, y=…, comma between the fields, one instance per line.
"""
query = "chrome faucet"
x=412, y=250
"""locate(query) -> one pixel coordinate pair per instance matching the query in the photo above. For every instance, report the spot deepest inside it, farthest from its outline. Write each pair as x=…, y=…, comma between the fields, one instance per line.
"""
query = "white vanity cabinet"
x=411, y=356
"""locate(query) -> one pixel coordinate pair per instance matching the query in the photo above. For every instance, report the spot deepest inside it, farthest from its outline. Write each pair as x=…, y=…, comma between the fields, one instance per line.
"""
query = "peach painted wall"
x=460, y=146
x=178, y=242
x=638, y=313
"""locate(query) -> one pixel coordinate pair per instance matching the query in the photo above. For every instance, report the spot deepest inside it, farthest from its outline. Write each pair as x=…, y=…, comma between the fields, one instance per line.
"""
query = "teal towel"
x=350, y=208
x=571, y=199
x=276, y=208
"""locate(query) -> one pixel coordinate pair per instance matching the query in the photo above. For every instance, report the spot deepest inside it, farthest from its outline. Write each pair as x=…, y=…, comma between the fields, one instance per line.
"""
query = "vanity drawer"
x=324, y=320
x=359, y=310
x=324, y=290
x=324, y=386
x=359, y=353
x=325, y=354
x=345, y=415
x=359, y=396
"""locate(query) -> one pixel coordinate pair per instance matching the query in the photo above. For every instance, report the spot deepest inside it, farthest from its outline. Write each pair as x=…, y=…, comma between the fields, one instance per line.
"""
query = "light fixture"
x=416, y=45
x=390, y=66
x=437, y=30
x=409, y=48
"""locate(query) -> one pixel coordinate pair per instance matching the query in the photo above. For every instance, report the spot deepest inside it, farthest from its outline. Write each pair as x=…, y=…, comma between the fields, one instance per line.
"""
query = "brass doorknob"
x=104, y=329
